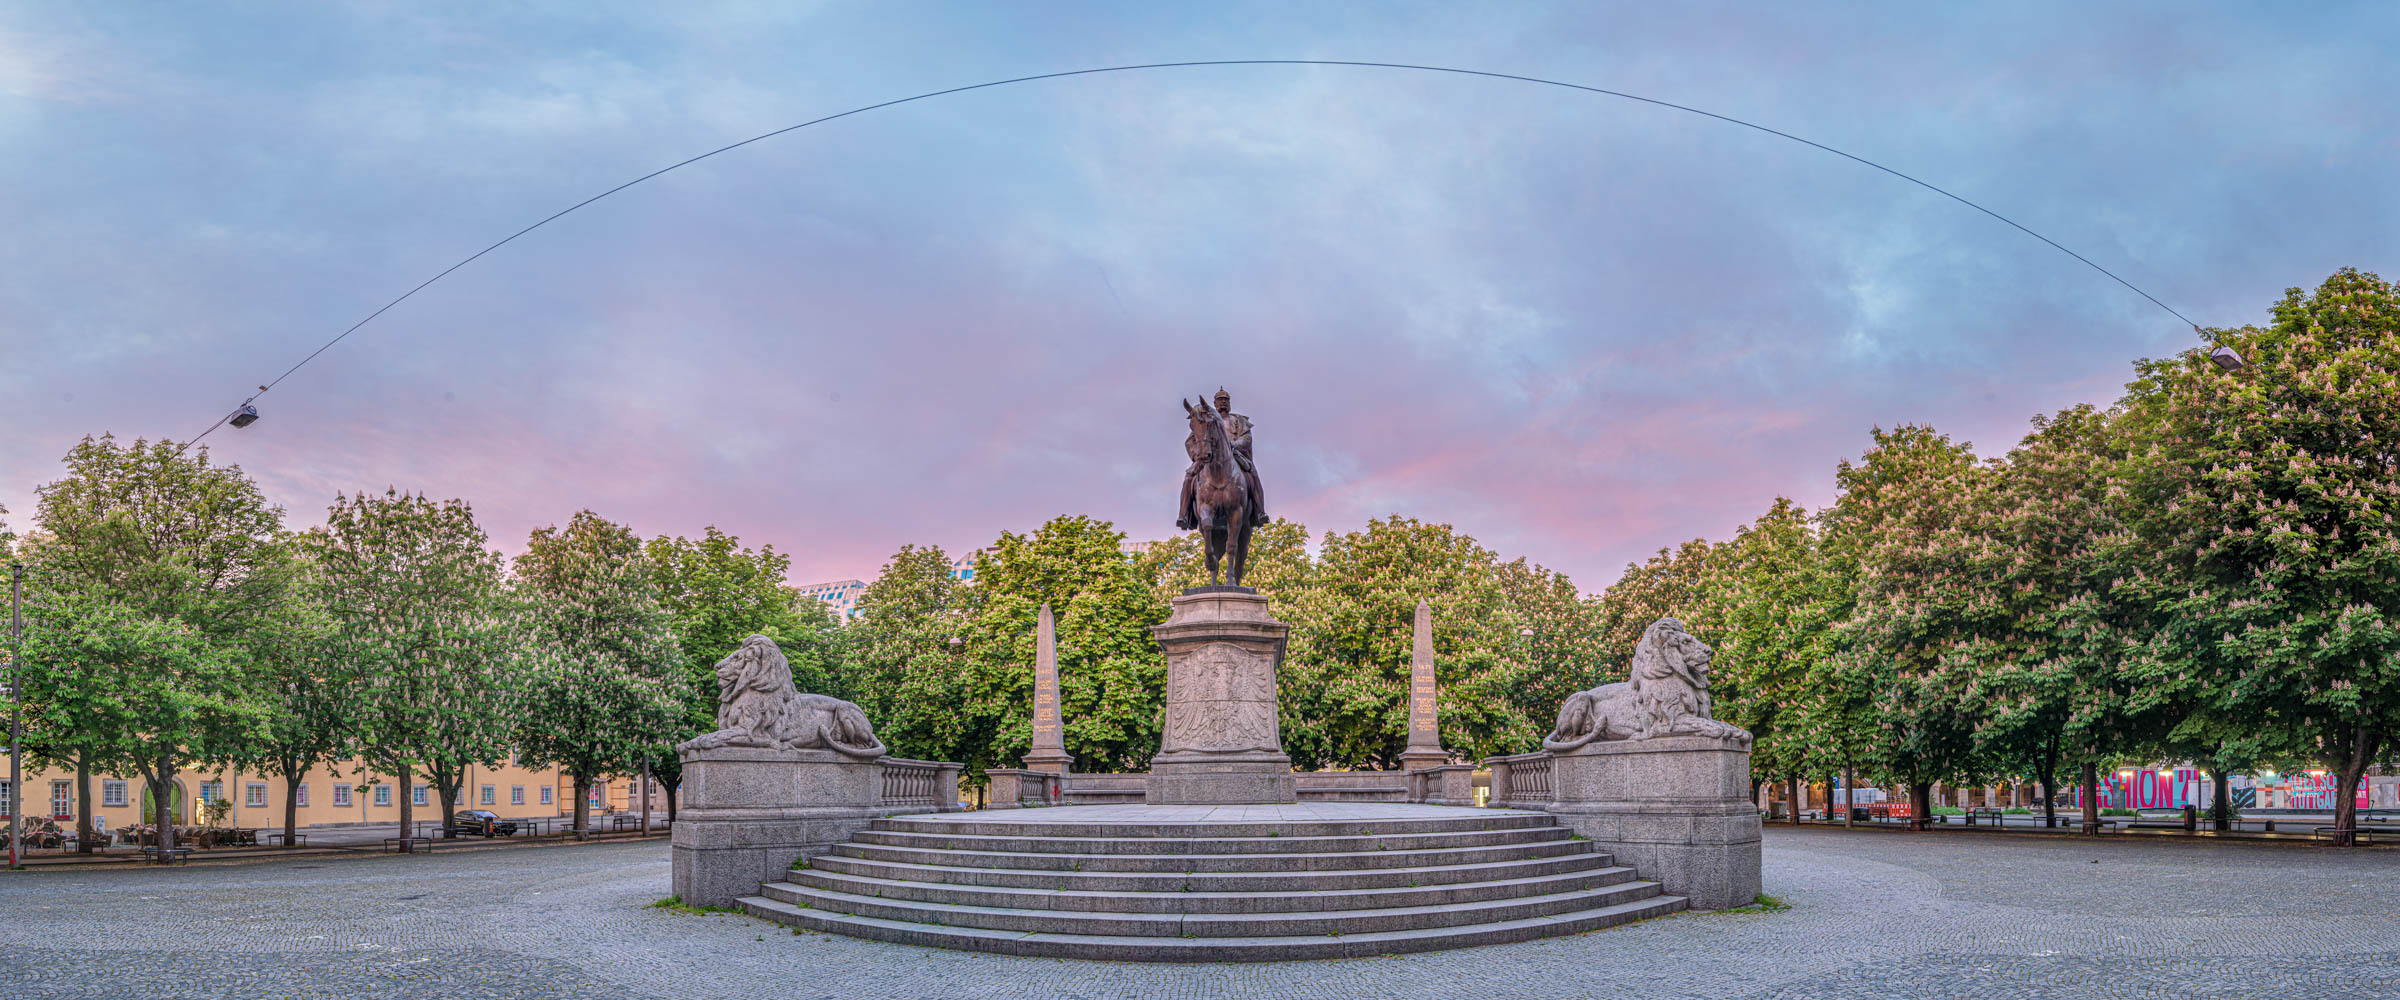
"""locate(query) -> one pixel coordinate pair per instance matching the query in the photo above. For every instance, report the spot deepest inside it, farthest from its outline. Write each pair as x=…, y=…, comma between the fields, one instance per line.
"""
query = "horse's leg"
x=1210, y=540
x=1240, y=536
x=1216, y=550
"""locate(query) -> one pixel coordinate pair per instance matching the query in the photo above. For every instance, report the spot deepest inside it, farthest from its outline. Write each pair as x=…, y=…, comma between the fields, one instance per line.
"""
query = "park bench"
x=1997, y=816
x=393, y=845
x=177, y=855
x=275, y=836
x=2362, y=834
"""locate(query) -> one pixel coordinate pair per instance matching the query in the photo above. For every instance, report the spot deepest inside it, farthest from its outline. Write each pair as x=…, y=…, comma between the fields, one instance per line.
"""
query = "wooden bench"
x=275, y=835
x=406, y=845
x=176, y=855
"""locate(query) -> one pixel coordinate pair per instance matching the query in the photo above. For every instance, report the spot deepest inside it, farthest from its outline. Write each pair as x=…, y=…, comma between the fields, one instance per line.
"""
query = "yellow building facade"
x=341, y=795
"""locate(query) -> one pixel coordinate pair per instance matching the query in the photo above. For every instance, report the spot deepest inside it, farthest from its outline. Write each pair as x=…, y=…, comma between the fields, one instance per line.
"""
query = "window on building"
x=112, y=793
x=254, y=795
x=8, y=800
x=416, y=795
x=383, y=795
x=516, y=795
x=211, y=791
x=545, y=795
x=300, y=796
x=341, y=795
x=489, y=795
x=62, y=800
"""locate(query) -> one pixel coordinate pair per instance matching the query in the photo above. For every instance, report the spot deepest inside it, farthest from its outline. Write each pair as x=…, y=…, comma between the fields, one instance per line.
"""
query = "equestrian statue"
x=1221, y=495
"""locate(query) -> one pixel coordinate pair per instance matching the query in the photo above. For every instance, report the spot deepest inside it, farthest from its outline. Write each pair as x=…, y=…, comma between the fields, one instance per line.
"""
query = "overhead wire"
x=1355, y=63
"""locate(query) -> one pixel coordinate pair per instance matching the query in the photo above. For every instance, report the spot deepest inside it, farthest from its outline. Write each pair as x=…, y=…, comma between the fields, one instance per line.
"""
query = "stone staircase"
x=1157, y=884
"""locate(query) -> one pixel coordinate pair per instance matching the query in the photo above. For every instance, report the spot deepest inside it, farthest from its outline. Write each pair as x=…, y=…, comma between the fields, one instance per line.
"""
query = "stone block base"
x=1264, y=782
x=1675, y=809
x=750, y=813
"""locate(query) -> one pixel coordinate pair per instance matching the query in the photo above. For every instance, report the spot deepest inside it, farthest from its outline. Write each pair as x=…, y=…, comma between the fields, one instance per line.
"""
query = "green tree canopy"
x=599, y=684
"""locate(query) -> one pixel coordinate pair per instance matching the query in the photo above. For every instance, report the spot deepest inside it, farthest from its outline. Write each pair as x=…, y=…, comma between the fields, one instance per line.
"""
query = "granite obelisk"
x=1049, y=751
x=1424, y=723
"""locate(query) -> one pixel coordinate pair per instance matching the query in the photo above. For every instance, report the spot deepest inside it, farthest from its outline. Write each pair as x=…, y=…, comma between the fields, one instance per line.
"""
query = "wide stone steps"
x=1060, y=823
x=1281, y=881
x=1144, y=884
x=1194, y=846
x=1211, y=862
x=1191, y=902
x=1122, y=948
x=1211, y=925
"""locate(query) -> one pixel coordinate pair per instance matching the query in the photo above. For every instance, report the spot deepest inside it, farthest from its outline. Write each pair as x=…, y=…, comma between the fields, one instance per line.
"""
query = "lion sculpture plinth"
x=1666, y=695
x=759, y=706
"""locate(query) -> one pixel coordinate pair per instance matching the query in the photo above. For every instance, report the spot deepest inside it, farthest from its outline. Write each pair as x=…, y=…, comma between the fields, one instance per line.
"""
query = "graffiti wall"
x=2305, y=791
x=2153, y=788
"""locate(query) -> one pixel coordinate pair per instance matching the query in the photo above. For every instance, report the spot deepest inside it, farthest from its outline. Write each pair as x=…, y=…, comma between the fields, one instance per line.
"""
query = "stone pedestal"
x=1677, y=809
x=1223, y=742
x=748, y=813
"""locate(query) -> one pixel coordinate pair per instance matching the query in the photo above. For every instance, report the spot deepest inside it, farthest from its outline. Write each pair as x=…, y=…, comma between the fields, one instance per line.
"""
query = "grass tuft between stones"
x=1765, y=904
x=675, y=904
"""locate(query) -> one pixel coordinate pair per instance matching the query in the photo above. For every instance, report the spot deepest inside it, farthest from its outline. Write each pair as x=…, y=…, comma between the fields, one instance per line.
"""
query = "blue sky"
x=1576, y=327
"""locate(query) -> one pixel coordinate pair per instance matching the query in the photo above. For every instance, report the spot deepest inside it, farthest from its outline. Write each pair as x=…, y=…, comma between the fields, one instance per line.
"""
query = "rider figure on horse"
x=1239, y=426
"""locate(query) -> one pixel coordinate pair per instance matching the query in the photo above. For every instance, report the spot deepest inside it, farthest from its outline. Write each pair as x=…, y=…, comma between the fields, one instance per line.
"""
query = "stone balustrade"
x=1521, y=781
x=1017, y=788
x=920, y=785
x=1443, y=785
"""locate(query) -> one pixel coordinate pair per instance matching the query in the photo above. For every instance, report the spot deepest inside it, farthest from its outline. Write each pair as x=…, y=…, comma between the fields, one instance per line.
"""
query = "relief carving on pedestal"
x=1221, y=699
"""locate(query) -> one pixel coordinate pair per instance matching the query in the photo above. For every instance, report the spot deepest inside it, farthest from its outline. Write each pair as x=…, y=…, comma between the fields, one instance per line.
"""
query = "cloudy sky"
x=1574, y=326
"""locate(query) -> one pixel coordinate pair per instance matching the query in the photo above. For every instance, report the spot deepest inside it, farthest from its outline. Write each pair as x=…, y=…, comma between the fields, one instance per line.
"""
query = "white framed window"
x=545, y=795
x=341, y=794
x=416, y=795
x=488, y=795
x=300, y=795
x=516, y=795
x=383, y=795
x=254, y=795
x=62, y=800
x=211, y=791
x=8, y=800
x=112, y=793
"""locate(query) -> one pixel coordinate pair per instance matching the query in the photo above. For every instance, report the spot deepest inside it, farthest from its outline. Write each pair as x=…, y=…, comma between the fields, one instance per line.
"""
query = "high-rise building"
x=840, y=596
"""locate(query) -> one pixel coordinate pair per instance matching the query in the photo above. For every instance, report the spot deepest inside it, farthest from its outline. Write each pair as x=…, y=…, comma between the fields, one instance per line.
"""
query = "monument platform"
x=1213, y=883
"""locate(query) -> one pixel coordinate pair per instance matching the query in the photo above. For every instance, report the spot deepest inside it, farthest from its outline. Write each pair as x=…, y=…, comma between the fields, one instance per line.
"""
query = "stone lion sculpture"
x=1667, y=695
x=758, y=706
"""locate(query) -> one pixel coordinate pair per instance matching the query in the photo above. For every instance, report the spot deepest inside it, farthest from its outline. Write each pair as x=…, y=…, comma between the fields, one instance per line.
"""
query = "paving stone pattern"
x=1876, y=915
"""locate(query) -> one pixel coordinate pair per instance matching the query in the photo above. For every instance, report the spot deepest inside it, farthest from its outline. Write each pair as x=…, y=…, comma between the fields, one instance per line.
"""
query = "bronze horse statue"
x=1221, y=493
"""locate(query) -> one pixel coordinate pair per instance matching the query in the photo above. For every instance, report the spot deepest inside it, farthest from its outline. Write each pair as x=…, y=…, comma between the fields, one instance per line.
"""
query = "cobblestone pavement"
x=1874, y=914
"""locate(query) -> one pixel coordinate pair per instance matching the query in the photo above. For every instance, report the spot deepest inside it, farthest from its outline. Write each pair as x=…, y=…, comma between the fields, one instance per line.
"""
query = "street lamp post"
x=16, y=716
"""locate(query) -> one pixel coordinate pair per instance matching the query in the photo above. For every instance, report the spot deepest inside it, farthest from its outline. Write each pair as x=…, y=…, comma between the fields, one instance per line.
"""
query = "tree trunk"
x=583, y=802
x=1791, y=794
x=448, y=792
x=2364, y=742
x=2091, y=798
x=2047, y=771
x=405, y=774
x=2220, y=810
x=670, y=788
x=1920, y=805
x=1849, y=795
x=83, y=807
x=162, y=802
x=291, y=804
